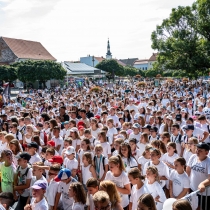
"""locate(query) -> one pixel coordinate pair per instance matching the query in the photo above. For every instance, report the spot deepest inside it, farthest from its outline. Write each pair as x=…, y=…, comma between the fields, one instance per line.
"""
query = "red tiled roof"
x=28, y=49
x=153, y=57
x=99, y=59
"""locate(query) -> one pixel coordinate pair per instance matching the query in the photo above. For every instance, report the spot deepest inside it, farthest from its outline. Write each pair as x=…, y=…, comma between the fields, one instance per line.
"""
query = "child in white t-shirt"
x=179, y=182
x=38, y=201
x=112, y=131
x=3, y=141
x=70, y=161
x=76, y=190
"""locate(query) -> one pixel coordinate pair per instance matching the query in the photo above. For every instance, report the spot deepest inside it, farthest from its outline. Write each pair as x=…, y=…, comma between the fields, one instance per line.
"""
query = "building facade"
x=141, y=64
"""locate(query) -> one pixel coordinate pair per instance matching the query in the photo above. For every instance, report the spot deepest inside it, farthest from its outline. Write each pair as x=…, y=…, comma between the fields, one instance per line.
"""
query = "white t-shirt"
x=169, y=159
x=51, y=192
x=199, y=172
x=35, y=158
x=120, y=181
x=110, y=133
x=3, y=146
x=135, y=194
x=141, y=147
x=76, y=142
x=63, y=188
x=162, y=170
x=41, y=205
x=155, y=190
x=58, y=141
x=179, y=181
x=115, y=119
x=78, y=206
x=129, y=163
x=89, y=202
x=71, y=164
x=137, y=137
x=106, y=148
x=95, y=133
x=142, y=160
x=99, y=163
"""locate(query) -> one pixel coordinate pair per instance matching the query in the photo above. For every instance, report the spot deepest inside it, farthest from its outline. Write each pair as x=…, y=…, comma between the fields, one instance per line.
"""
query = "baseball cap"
x=178, y=117
x=56, y=159
x=136, y=125
x=153, y=128
x=97, y=117
x=24, y=155
x=189, y=127
x=81, y=128
x=203, y=145
x=74, y=129
x=197, y=113
x=184, y=110
x=80, y=123
x=63, y=174
x=33, y=144
x=66, y=122
x=7, y=152
x=51, y=143
x=40, y=184
x=70, y=150
x=147, y=126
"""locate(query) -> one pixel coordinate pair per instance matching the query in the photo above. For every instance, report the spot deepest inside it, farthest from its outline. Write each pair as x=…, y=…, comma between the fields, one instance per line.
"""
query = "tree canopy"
x=8, y=73
x=183, y=39
x=30, y=71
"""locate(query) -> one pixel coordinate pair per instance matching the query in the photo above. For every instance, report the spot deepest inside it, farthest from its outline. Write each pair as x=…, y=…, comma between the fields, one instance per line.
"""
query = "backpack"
x=103, y=161
x=23, y=176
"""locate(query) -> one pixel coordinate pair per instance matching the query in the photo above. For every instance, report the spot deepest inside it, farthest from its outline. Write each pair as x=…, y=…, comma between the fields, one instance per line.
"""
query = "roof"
x=79, y=68
x=129, y=61
x=120, y=62
x=143, y=61
x=28, y=49
x=153, y=57
x=99, y=59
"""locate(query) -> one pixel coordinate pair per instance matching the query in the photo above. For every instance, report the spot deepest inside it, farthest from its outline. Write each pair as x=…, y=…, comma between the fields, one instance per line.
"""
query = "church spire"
x=108, y=54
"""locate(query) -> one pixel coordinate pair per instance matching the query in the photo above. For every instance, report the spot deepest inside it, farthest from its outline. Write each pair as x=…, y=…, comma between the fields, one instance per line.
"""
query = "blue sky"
x=71, y=29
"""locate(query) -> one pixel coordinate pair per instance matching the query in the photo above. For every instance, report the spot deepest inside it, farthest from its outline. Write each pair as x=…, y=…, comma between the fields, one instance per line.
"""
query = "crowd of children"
x=112, y=150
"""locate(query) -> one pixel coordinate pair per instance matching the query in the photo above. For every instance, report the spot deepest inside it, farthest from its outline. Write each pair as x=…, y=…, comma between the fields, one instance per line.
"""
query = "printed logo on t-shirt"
x=198, y=169
x=177, y=182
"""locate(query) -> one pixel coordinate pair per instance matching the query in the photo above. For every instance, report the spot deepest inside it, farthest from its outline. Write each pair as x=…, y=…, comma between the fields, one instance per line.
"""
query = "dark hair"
x=45, y=116
x=148, y=201
x=135, y=173
x=124, y=144
x=134, y=140
x=173, y=145
x=79, y=191
x=181, y=160
x=36, y=139
x=92, y=182
x=182, y=204
x=87, y=141
x=7, y=198
x=176, y=126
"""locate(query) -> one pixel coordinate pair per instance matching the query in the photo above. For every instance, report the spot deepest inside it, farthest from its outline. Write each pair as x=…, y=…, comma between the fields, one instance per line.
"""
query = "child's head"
x=125, y=150
x=155, y=154
x=23, y=159
x=171, y=148
x=146, y=202
x=144, y=138
x=51, y=144
x=135, y=176
x=180, y=164
x=2, y=135
x=123, y=132
x=64, y=175
x=85, y=144
x=56, y=131
x=136, y=128
x=102, y=136
x=101, y=200
x=192, y=142
x=181, y=204
x=87, y=158
x=70, y=152
x=111, y=189
x=9, y=137
x=32, y=148
x=56, y=160
x=98, y=149
x=87, y=133
x=50, y=152
x=92, y=185
x=157, y=144
x=37, y=171
x=67, y=142
x=39, y=189
x=152, y=174
x=110, y=123
x=76, y=190
x=147, y=150
x=132, y=143
x=117, y=143
x=6, y=156
x=36, y=139
x=14, y=145
x=54, y=170
x=175, y=129
x=116, y=164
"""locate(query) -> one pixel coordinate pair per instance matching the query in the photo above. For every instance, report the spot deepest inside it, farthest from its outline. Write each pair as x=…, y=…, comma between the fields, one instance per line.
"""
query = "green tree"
x=111, y=66
x=151, y=73
x=30, y=71
x=179, y=43
x=8, y=73
x=131, y=71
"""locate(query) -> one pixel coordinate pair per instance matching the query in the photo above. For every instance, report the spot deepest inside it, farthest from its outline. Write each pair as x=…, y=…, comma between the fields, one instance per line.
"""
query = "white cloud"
x=70, y=29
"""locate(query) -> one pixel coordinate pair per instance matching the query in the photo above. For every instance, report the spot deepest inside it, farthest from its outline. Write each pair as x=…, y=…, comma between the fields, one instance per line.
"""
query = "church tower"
x=108, y=54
